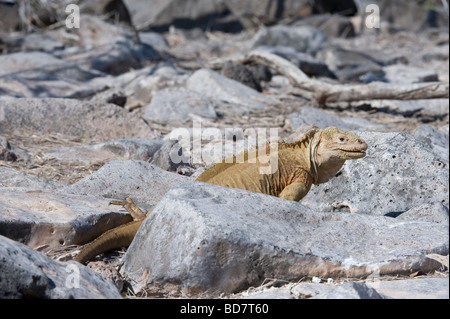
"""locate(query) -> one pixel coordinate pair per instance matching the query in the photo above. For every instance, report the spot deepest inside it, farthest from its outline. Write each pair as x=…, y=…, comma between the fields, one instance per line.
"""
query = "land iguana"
x=314, y=159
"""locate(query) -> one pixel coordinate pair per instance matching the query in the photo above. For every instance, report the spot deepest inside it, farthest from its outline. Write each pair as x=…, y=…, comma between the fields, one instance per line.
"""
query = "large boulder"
x=26, y=273
x=212, y=84
x=45, y=220
x=399, y=173
x=179, y=104
x=204, y=237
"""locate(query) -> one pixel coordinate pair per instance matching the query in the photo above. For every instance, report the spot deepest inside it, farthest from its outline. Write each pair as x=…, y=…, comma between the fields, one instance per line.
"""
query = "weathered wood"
x=322, y=92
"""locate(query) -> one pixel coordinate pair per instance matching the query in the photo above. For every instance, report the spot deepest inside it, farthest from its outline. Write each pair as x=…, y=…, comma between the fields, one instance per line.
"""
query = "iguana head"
x=340, y=145
x=331, y=148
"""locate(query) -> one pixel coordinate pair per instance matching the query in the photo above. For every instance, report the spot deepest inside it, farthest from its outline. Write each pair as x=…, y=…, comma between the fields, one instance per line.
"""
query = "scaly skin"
x=314, y=159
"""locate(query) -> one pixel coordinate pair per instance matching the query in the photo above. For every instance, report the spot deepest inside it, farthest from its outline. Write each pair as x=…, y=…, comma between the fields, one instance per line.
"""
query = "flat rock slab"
x=145, y=183
x=44, y=220
x=26, y=273
x=21, y=61
x=209, y=238
x=308, y=115
x=399, y=173
x=302, y=38
x=179, y=104
x=347, y=290
x=421, y=288
x=132, y=148
x=69, y=118
x=11, y=178
x=400, y=73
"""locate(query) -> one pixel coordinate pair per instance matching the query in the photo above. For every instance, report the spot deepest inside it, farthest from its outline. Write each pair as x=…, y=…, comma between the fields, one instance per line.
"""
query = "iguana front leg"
x=295, y=191
x=115, y=238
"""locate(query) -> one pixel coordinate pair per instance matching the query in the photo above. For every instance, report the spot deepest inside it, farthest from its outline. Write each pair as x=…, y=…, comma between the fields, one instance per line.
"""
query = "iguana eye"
x=341, y=139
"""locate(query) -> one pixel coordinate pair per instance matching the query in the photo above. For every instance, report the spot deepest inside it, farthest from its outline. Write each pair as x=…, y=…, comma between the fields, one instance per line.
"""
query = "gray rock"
x=9, y=17
x=145, y=183
x=155, y=40
x=307, y=63
x=95, y=31
x=67, y=80
x=39, y=74
x=44, y=220
x=312, y=116
x=163, y=13
x=42, y=41
x=27, y=273
x=430, y=107
x=123, y=149
x=398, y=174
x=139, y=85
x=347, y=290
x=436, y=139
x=335, y=25
x=427, y=133
x=267, y=11
x=308, y=116
x=179, y=104
x=209, y=238
x=115, y=58
x=169, y=150
x=421, y=288
x=360, y=124
x=69, y=117
x=12, y=178
x=303, y=39
x=6, y=154
x=413, y=16
x=437, y=213
x=150, y=80
x=216, y=86
x=349, y=65
x=269, y=293
x=241, y=73
x=400, y=73
x=21, y=61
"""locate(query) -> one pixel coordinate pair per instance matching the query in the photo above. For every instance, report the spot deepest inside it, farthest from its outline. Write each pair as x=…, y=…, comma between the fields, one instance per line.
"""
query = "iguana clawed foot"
x=115, y=238
x=131, y=207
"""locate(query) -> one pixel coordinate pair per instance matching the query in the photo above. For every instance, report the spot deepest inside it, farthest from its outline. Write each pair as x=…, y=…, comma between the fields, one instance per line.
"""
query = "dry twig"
x=322, y=92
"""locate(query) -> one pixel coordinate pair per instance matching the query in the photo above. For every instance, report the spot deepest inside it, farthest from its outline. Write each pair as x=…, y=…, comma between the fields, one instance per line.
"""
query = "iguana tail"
x=115, y=238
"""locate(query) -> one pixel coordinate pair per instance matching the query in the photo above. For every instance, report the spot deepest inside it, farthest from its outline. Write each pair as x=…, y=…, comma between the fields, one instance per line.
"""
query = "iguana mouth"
x=359, y=153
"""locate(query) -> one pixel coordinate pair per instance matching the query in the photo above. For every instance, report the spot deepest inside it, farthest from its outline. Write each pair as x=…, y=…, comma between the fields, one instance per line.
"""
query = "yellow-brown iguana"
x=314, y=159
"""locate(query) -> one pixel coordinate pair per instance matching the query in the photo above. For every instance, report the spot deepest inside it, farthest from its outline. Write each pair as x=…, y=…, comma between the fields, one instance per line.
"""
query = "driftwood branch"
x=323, y=92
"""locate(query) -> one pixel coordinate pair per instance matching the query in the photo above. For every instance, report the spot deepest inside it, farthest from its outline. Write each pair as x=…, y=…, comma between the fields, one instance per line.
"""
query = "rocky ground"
x=88, y=115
